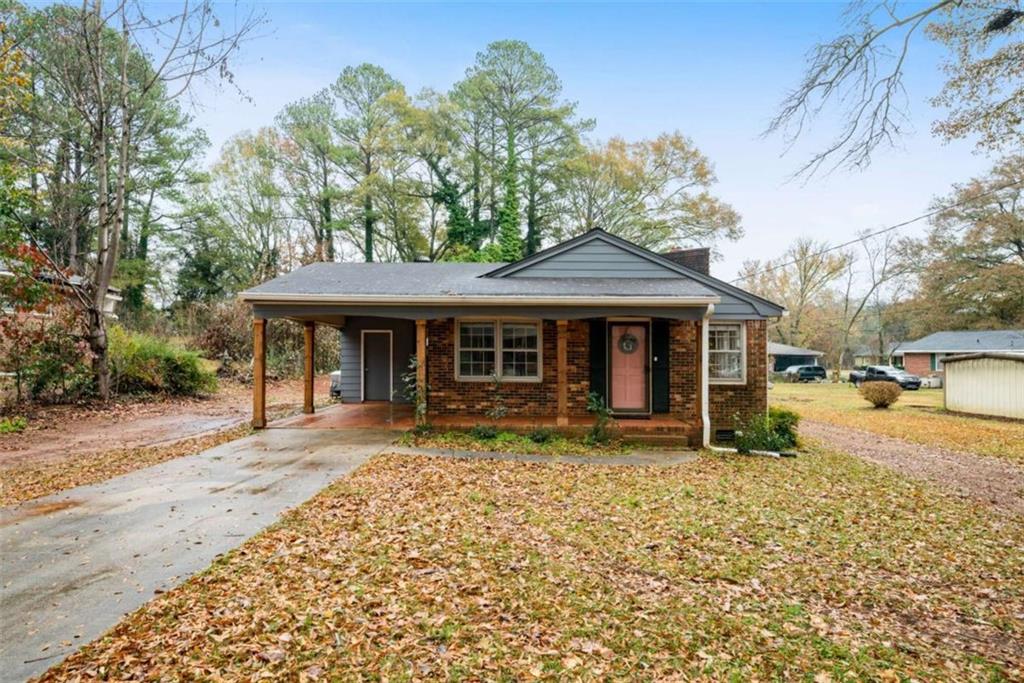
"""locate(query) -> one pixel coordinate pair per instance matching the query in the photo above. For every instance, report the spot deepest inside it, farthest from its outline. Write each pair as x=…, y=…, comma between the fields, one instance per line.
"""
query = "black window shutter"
x=599, y=358
x=659, y=366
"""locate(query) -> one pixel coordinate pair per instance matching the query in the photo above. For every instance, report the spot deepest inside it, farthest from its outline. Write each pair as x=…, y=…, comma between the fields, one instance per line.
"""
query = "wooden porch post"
x=310, y=335
x=563, y=373
x=259, y=373
x=421, y=372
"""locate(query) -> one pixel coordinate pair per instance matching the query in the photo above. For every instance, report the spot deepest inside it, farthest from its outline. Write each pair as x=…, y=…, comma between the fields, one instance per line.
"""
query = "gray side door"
x=376, y=366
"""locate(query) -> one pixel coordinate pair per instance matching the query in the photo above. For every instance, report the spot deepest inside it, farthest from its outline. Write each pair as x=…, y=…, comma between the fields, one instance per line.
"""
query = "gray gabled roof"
x=966, y=341
x=460, y=280
x=762, y=305
x=777, y=349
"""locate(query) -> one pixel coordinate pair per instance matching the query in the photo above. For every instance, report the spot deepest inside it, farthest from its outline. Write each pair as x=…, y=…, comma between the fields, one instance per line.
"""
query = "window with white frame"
x=509, y=350
x=726, y=355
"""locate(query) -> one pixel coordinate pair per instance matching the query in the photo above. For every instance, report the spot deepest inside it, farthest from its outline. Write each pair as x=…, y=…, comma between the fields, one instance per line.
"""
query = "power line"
x=890, y=228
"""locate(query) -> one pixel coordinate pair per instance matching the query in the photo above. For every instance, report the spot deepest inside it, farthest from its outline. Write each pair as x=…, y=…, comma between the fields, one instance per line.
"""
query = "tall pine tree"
x=509, y=239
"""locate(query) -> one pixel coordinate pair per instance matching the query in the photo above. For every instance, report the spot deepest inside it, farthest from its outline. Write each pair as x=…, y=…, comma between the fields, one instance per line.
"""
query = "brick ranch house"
x=658, y=338
x=924, y=357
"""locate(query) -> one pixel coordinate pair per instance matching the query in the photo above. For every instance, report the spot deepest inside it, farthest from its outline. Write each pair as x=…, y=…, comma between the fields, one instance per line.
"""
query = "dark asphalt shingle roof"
x=461, y=279
x=967, y=341
x=777, y=349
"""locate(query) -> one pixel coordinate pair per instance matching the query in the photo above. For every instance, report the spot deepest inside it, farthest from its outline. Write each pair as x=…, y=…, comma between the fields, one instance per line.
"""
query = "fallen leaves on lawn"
x=27, y=480
x=918, y=416
x=508, y=442
x=729, y=567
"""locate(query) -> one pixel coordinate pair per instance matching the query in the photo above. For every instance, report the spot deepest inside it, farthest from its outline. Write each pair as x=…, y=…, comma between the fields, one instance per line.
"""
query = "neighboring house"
x=986, y=384
x=925, y=356
x=67, y=285
x=655, y=339
x=782, y=356
x=868, y=355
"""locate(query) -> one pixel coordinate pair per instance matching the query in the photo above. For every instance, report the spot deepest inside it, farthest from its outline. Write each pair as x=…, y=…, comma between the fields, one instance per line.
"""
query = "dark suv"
x=804, y=373
x=886, y=373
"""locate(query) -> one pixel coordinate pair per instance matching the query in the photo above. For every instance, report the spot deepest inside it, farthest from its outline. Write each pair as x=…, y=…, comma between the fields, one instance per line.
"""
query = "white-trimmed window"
x=508, y=349
x=727, y=353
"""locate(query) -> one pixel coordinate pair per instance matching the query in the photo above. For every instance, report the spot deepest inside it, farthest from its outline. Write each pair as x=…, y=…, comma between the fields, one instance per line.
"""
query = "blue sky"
x=714, y=71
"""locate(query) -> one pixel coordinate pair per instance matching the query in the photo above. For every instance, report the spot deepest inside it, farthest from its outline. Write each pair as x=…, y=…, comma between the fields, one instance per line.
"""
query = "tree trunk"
x=368, y=228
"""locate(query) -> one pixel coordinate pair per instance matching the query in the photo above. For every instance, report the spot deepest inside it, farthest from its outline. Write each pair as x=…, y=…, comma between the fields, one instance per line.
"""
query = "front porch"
x=398, y=372
x=400, y=417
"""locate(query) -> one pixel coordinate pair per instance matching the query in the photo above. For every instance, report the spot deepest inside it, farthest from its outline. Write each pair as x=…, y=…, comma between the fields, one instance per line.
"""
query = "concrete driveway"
x=72, y=564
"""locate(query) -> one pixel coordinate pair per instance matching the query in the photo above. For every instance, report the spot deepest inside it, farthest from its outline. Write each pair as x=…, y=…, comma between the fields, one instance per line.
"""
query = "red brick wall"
x=919, y=364
x=448, y=396
x=728, y=400
x=683, y=378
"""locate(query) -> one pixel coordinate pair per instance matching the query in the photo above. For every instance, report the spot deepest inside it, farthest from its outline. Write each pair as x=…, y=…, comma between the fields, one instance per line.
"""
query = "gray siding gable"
x=598, y=254
x=593, y=259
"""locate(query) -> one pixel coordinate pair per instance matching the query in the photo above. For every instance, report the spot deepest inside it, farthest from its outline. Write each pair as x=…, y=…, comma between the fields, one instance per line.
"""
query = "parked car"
x=804, y=373
x=885, y=373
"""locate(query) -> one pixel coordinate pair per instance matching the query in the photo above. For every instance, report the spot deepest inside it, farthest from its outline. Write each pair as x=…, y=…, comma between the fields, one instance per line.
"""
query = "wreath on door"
x=628, y=343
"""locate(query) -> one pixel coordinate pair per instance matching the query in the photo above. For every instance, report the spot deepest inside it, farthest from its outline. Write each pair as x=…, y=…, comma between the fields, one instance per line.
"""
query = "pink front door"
x=629, y=367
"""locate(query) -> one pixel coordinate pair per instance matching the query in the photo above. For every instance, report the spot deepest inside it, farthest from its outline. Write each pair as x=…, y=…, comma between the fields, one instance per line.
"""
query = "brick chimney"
x=695, y=259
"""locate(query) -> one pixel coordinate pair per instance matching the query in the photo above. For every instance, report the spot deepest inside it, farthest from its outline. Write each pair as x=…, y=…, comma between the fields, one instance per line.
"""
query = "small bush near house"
x=774, y=431
x=12, y=425
x=881, y=394
x=140, y=363
x=541, y=435
x=600, y=433
x=485, y=432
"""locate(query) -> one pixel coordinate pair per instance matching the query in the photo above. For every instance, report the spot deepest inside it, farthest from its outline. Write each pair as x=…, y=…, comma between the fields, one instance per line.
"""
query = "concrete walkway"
x=636, y=459
x=72, y=564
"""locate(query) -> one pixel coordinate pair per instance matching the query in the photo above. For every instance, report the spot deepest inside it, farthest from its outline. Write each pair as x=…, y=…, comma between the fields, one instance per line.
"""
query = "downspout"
x=705, y=410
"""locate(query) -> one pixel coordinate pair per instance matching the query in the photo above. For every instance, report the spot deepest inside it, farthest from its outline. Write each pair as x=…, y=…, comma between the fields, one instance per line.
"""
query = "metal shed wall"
x=986, y=386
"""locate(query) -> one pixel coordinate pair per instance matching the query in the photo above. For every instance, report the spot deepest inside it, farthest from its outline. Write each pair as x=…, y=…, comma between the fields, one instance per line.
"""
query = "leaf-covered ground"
x=918, y=416
x=508, y=442
x=728, y=568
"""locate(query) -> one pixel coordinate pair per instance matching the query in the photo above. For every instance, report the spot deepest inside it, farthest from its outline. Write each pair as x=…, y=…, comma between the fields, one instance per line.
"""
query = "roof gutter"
x=319, y=299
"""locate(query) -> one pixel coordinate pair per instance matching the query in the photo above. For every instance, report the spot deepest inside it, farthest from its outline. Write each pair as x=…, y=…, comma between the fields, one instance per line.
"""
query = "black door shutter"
x=659, y=366
x=599, y=358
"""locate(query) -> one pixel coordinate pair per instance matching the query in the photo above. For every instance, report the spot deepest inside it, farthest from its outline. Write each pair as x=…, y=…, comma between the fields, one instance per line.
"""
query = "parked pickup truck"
x=885, y=373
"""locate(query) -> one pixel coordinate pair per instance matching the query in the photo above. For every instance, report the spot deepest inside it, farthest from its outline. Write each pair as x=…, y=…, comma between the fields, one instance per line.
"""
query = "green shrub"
x=784, y=423
x=507, y=437
x=541, y=434
x=12, y=425
x=484, y=432
x=881, y=394
x=774, y=431
x=140, y=363
x=600, y=433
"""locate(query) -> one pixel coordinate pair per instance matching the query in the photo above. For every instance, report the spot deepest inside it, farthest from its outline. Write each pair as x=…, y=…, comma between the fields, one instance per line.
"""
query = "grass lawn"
x=821, y=568
x=918, y=416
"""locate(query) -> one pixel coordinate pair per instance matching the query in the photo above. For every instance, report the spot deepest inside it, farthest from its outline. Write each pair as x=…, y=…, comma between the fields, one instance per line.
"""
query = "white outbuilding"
x=989, y=383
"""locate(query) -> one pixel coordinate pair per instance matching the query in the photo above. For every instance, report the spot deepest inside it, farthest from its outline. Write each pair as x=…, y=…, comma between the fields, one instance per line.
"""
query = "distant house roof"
x=966, y=341
x=873, y=350
x=776, y=349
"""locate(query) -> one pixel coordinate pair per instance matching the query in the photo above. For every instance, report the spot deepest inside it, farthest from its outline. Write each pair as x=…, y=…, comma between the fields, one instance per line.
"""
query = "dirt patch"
x=39, y=510
x=993, y=481
x=58, y=433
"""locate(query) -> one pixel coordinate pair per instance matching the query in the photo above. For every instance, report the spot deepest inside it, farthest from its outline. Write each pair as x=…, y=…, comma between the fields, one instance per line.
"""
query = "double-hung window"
x=509, y=350
x=726, y=354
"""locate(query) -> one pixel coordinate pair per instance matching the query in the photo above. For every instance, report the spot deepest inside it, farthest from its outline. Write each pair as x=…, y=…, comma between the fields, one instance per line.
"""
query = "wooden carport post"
x=310, y=335
x=421, y=372
x=259, y=373
x=562, y=349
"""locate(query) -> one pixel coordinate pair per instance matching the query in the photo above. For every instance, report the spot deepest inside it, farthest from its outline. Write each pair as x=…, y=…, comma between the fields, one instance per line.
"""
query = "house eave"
x=406, y=300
